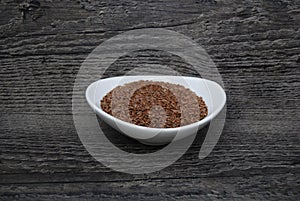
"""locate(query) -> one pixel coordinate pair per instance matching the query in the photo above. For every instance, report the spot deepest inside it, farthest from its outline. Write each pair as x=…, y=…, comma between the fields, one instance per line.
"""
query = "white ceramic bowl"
x=212, y=93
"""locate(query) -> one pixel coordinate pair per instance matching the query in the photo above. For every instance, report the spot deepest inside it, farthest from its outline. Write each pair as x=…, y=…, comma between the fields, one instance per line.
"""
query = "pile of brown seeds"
x=154, y=104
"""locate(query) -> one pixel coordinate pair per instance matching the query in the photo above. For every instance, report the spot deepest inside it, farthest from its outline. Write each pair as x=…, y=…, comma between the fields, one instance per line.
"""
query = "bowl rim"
x=205, y=120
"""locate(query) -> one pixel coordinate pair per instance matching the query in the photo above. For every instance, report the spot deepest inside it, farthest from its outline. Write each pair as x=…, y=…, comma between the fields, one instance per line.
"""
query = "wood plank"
x=49, y=144
x=238, y=188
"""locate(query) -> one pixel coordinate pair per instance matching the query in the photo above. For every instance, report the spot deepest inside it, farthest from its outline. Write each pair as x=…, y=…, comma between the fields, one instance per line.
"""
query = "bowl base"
x=152, y=144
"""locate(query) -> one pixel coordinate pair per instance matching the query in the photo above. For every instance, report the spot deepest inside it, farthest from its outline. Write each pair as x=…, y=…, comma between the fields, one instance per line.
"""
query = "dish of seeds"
x=154, y=104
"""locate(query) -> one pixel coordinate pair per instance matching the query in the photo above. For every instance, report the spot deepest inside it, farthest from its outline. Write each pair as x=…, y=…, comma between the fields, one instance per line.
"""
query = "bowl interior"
x=212, y=93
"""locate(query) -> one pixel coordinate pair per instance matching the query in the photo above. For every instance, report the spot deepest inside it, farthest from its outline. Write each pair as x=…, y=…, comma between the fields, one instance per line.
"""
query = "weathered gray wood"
x=256, y=47
x=238, y=188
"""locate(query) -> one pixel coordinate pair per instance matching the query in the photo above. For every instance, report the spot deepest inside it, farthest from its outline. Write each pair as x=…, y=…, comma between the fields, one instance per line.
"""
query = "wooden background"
x=256, y=47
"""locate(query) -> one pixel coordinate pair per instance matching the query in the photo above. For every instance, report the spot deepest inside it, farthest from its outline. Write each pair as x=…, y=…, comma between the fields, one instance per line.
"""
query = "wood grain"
x=256, y=47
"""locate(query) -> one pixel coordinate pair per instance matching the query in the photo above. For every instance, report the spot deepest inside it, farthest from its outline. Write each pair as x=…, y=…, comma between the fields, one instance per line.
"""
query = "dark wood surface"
x=256, y=47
